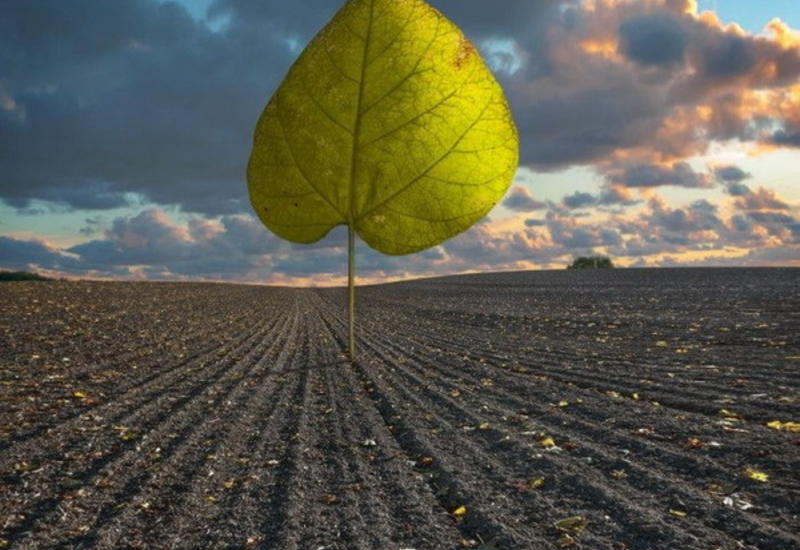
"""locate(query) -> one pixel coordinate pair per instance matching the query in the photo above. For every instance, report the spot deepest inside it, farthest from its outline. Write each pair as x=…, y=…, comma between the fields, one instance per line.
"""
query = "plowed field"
x=483, y=410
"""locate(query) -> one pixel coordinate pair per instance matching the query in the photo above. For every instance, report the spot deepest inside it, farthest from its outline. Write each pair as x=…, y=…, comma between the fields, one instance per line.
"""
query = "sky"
x=657, y=132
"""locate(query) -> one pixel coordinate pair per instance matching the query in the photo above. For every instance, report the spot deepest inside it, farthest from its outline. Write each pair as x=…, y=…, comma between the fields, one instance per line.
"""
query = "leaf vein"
x=297, y=165
x=429, y=168
x=414, y=72
x=321, y=107
x=412, y=120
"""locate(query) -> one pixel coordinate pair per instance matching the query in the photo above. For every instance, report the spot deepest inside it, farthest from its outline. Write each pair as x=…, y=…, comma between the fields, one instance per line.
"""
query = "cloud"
x=570, y=234
x=701, y=215
x=533, y=222
x=738, y=189
x=641, y=80
x=787, y=138
x=772, y=218
x=102, y=103
x=230, y=247
x=25, y=254
x=649, y=175
x=616, y=195
x=794, y=227
x=520, y=200
x=654, y=40
x=136, y=98
x=150, y=244
x=731, y=174
x=579, y=199
x=760, y=199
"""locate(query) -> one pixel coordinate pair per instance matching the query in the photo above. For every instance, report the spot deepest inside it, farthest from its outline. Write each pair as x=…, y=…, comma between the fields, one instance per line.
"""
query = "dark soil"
x=482, y=411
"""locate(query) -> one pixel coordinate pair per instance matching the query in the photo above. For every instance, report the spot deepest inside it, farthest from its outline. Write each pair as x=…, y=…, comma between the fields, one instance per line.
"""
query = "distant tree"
x=21, y=276
x=592, y=262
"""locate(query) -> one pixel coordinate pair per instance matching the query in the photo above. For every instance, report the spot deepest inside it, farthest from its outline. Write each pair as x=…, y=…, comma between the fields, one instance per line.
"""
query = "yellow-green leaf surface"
x=389, y=122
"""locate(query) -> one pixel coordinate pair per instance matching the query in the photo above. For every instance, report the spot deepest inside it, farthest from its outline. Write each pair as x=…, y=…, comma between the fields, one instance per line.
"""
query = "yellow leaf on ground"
x=79, y=394
x=678, y=513
x=547, y=442
x=784, y=426
x=756, y=475
x=730, y=416
x=460, y=511
x=563, y=403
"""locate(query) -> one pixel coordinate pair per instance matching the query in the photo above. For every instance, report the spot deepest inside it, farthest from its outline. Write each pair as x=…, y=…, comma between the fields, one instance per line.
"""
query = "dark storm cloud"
x=520, y=200
x=658, y=40
x=130, y=97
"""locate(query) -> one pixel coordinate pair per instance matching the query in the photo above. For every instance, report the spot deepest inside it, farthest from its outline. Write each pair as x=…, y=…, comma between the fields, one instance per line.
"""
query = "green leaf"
x=389, y=122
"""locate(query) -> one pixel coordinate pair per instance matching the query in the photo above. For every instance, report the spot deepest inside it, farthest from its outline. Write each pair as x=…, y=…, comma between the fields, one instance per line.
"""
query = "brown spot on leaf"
x=464, y=52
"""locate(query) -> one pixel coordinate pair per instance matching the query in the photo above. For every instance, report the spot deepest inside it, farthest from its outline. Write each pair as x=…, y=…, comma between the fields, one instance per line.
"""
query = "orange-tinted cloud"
x=677, y=83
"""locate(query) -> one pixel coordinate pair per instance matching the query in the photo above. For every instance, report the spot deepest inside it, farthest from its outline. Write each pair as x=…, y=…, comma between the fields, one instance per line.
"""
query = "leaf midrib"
x=357, y=125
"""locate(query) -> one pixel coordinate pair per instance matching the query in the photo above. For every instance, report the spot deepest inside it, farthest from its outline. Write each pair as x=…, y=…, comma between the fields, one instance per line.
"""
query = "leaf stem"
x=351, y=289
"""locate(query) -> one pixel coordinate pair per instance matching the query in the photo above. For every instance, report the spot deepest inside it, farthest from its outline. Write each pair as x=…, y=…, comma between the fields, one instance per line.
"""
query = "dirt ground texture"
x=622, y=409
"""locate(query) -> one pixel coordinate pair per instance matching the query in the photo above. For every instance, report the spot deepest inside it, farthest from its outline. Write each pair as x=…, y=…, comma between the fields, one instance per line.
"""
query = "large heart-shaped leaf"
x=389, y=122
